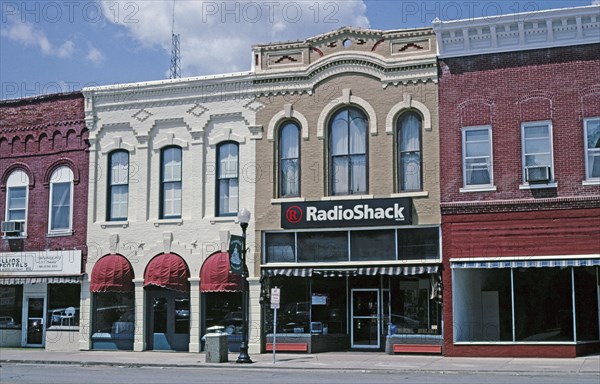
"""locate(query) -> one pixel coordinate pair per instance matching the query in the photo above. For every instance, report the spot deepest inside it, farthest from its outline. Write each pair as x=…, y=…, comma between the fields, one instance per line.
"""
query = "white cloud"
x=94, y=55
x=26, y=34
x=216, y=36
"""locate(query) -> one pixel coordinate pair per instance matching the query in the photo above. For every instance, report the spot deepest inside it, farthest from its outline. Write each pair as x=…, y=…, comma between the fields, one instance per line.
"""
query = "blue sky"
x=52, y=46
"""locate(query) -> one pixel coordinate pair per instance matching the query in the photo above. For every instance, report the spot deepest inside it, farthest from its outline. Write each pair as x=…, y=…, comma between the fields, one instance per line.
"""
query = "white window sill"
x=288, y=200
x=60, y=234
x=114, y=224
x=158, y=223
x=347, y=197
x=411, y=194
x=590, y=182
x=224, y=219
x=489, y=188
x=20, y=237
x=538, y=186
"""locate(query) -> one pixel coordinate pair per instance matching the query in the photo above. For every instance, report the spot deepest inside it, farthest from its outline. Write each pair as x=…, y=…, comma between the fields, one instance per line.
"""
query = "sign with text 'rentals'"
x=346, y=213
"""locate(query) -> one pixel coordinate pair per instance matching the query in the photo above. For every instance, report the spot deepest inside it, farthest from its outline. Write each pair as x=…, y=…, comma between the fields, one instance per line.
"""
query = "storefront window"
x=63, y=304
x=372, y=245
x=280, y=247
x=482, y=305
x=224, y=309
x=322, y=246
x=294, y=313
x=412, y=310
x=586, y=303
x=418, y=244
x=11, y=306
x=328, y=305
x=543, y=304
x=114, y=313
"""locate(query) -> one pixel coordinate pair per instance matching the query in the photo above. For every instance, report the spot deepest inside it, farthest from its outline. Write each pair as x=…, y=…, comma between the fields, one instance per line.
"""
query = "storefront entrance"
x=169, y=320
x=34, y=313
x=366, y=315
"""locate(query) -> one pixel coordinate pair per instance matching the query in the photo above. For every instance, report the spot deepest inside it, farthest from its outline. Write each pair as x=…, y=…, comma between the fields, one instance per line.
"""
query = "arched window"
x=170, y=183
x=348, y=152
x=227, y=178
x=408, y=132
x=289, y=160
x=61, y=201
x=17, y=193
x=118, y=185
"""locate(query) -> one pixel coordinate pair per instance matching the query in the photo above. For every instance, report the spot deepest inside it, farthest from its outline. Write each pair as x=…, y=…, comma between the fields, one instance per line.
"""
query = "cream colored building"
x=171, y=163
x=351, y=132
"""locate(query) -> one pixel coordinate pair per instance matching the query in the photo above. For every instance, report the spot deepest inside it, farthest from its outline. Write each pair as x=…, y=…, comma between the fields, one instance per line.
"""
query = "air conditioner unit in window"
x=537, y=174
x=12, y=228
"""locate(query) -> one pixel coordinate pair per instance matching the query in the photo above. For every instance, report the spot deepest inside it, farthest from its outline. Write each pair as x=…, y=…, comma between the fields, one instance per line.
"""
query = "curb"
x=230, y=364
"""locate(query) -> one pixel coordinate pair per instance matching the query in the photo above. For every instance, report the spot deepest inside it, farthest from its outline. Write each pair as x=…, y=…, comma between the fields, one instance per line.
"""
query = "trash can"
x=216, y=345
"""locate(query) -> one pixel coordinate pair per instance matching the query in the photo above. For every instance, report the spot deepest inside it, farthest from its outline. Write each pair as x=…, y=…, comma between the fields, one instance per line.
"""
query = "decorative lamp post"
x=244, y=218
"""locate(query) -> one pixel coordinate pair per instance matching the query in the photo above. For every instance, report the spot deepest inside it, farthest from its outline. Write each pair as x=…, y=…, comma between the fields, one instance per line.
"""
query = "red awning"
x=168, y=271
x=215, y=276
x=112, y=273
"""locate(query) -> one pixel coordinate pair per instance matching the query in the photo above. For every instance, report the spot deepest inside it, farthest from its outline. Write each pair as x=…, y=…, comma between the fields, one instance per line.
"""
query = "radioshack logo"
x=294, y=214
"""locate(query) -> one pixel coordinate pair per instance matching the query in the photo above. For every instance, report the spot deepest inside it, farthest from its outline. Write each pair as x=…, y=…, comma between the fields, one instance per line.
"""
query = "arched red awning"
x=112, y=273
x=215, y=276
x=168, y=270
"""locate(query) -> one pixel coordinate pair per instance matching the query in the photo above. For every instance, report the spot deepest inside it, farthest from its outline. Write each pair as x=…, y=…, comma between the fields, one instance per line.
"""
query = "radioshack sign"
x=346, y=213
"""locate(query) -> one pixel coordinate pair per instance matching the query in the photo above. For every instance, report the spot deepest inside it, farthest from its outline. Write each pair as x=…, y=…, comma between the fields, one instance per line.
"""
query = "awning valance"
x=526, y=263
x=75, y=279
x=361, y=271
x=112, y=273
x=168, y=270
x=215, y=276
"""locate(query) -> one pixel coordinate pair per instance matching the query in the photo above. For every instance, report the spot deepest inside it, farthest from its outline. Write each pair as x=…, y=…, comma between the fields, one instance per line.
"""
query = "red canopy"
x=215, y=276
x=112, y=273
x=168, y=271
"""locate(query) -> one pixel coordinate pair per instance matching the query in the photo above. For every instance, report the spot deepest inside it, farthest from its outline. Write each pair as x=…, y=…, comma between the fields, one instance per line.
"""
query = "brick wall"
x=38, y=135
x=506, y=89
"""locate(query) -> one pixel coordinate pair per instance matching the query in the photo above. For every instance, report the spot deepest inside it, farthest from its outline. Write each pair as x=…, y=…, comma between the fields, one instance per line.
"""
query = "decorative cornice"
x=40, y=127
x=518, y=32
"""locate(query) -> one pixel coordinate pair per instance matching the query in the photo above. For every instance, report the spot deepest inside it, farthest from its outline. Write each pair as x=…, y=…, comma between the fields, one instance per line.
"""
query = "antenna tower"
x=175, y=72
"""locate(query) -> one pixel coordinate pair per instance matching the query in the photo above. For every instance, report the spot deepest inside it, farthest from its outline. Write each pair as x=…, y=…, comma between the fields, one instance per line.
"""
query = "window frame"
x=280, y=159
x=218, y=179
x=399, y=173
x=586, y=121
x=524, y=126
x=11, y=184
x=111, y=185
x=53, y=183
x=464, y=131
x=330, y=155
x=164, y=183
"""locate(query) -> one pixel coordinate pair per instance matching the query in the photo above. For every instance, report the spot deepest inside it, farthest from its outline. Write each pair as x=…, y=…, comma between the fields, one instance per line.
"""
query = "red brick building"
x=520, y=183
x=43, y=209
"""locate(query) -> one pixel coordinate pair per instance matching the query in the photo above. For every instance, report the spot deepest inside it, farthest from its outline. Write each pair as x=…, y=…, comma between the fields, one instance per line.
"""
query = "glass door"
x=169, y=320
x=35, y=319
x=366, y=314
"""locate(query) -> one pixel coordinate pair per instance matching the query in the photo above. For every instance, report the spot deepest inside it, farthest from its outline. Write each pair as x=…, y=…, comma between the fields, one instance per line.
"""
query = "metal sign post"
x=275, y=298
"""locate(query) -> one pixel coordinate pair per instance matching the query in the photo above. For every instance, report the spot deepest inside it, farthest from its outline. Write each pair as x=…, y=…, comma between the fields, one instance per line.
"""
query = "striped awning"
x=41, y=280
x=526, y=263
x=360, y=271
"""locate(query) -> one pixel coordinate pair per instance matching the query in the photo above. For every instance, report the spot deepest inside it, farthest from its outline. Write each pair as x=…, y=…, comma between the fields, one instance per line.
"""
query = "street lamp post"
x=244, y=358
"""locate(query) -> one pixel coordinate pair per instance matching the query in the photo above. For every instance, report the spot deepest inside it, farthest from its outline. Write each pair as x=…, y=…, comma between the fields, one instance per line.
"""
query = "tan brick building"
x=347, y=198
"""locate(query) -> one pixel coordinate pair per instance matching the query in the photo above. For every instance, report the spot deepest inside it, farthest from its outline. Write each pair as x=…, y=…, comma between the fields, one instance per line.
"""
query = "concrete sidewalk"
x=363, y=361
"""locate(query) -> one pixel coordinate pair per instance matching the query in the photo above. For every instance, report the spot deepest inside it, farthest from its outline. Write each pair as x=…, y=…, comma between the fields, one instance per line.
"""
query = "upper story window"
x=227, y=178
x=592, y=149
x=408, y=129
x=17, y=193
x=118, y=185
x=61, y=201
x=348, y=152
x=170, y=183
x=289, y=156
x=537, y=152
x=477, y=156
